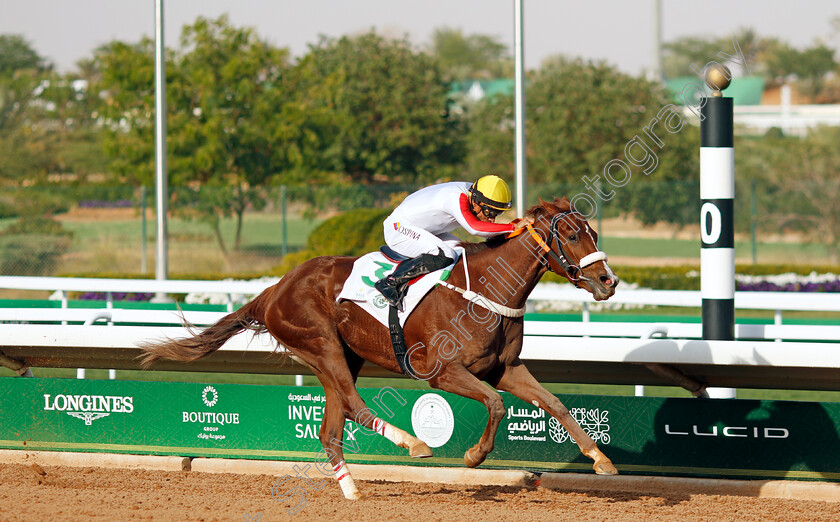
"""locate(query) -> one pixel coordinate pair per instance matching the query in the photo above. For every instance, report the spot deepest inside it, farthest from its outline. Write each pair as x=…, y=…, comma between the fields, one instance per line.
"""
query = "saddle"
x=359, y=288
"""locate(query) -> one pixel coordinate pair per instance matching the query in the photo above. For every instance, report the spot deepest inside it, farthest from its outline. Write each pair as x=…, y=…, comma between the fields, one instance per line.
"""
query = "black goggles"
x=490, y=212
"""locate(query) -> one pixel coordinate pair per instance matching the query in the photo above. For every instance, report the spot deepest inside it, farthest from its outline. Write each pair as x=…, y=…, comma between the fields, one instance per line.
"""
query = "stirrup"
x=394, y=286
x=391, y=291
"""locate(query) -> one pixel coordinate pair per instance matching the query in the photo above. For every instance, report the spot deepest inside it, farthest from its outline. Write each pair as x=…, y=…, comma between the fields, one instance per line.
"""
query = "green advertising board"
x=642, y=435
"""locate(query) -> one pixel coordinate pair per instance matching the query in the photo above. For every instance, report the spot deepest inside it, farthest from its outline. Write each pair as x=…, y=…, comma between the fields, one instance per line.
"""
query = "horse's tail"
x=249, y=317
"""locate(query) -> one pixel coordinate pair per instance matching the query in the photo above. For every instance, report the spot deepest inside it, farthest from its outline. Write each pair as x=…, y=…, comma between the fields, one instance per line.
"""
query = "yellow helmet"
x=491, y=191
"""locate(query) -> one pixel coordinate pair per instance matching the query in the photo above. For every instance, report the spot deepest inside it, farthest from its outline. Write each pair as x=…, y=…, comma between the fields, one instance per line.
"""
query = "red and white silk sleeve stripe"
x=481, y=226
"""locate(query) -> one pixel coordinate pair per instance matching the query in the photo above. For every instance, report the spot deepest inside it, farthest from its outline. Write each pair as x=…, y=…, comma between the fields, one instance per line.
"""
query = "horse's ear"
x=538, y=209
x=549, y=207
x=563, y=203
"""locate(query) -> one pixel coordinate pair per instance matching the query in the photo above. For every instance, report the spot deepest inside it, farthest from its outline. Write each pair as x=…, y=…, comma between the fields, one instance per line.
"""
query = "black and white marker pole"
x=717, y=193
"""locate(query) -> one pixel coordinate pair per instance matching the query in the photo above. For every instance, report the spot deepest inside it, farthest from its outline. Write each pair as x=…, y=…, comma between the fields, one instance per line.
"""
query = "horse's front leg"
x=456, y=379
x=517, y=380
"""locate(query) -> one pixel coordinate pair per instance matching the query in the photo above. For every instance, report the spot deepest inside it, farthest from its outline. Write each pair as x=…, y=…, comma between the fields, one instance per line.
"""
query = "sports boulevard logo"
x=529, y=425
x=88, y=407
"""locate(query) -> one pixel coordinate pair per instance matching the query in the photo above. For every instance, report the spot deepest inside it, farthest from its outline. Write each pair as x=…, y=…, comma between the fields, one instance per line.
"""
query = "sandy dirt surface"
x=30, y=493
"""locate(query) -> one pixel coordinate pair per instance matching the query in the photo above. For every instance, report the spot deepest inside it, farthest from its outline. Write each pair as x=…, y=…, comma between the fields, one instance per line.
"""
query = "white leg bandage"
x=395, y=435
x=345, y=480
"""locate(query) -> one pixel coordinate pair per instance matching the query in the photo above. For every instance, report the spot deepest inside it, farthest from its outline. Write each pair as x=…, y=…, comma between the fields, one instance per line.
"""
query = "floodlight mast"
x=161, y=192
x=519, y=58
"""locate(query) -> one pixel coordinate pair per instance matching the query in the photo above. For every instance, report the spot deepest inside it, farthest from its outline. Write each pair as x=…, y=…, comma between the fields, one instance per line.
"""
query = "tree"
x=580, y=117
x=807, y=188
x=809, y=67
x=223, y=90
x=463, y=57
x=21, y=70
x=685, y=56
x=220, y=134
x=772, y=58
x=679, y=56
x=388, y=105
x=47, y=120
x=17, y=54
x=127, y=82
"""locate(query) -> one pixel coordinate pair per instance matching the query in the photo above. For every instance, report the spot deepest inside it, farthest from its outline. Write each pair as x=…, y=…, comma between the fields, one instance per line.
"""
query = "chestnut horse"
x=454, y=344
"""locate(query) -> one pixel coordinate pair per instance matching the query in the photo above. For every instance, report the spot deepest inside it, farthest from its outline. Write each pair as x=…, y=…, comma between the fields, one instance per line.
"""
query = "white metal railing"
x=599, y=329
x=552, y=358
x=577, y=339
x=793, y=119
x=62, y=285
x=691, y=298
x=777, y=301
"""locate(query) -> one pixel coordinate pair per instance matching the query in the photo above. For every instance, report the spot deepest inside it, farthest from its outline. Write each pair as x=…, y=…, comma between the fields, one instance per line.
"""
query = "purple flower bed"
x=766, y=286
x=116, y=296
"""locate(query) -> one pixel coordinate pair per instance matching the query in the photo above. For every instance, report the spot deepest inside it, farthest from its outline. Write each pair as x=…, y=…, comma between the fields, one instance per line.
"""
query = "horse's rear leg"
x=332, y=439
x=517, y=380
x=344, y=402
x=457, y=379
x=331, y=433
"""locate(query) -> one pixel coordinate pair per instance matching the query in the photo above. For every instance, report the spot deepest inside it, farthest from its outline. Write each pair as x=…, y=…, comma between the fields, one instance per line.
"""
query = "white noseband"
x=594, y=257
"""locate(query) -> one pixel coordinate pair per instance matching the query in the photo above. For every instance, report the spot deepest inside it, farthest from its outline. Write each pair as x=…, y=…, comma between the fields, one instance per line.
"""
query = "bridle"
x=574, y=271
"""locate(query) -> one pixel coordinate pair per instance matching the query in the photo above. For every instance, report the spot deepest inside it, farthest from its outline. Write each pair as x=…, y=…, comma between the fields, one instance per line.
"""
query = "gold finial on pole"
x=718, y=78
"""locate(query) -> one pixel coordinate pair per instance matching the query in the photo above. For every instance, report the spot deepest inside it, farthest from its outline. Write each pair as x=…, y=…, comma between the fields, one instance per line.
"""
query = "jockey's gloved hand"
x=522, y=222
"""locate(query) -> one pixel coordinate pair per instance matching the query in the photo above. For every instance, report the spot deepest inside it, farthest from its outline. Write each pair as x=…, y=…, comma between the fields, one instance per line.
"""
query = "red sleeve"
x=476, y=225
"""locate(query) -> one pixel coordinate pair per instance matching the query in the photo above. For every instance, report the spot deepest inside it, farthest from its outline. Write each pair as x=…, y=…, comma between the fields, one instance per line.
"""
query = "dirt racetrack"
x=31, y=493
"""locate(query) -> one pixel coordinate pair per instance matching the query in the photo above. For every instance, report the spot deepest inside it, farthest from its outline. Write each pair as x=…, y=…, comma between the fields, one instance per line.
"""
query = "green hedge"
x=352, y=233
x=32, y=246
x=31, y=254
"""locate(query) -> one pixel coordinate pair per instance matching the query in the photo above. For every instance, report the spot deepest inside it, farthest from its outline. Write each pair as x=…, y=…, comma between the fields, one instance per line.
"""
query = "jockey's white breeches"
x=413, y=241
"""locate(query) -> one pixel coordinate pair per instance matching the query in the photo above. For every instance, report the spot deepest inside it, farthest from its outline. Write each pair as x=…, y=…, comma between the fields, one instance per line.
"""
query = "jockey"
x=419, y=227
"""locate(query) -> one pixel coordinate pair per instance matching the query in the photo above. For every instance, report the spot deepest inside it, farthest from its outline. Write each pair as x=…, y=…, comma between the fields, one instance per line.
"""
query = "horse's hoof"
x=472, y=461
x=352, y=493
x=419, y=451
x=605, y=467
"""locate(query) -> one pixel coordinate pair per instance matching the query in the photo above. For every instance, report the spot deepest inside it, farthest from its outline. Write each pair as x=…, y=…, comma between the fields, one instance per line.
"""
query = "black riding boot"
x=394, y=286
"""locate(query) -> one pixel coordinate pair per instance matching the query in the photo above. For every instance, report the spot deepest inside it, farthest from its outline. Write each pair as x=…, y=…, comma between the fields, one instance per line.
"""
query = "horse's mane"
x=543, y=208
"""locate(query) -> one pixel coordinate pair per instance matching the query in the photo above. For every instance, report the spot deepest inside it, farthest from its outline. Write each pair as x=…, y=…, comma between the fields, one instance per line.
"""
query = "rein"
x=480, y=300
x=561, y=257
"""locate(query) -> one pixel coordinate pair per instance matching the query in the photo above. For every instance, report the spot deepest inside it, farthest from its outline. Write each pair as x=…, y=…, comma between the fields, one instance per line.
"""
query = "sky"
x=620, y=32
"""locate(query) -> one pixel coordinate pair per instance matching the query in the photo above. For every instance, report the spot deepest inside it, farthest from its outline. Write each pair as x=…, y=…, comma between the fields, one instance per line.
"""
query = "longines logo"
x=754, y=432
x=88, y=407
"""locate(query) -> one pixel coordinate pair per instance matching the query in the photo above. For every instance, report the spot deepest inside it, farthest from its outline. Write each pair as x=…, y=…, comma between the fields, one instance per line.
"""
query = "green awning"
x=744, y=91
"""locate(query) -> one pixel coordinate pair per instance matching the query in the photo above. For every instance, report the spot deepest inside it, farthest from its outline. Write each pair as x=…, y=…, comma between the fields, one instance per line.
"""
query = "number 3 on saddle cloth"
x=358, y=288
x=372, y=267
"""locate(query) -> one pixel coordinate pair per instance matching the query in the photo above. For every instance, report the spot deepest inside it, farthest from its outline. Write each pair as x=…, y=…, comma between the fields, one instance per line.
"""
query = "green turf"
x=258, y=230
x=814, y=253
